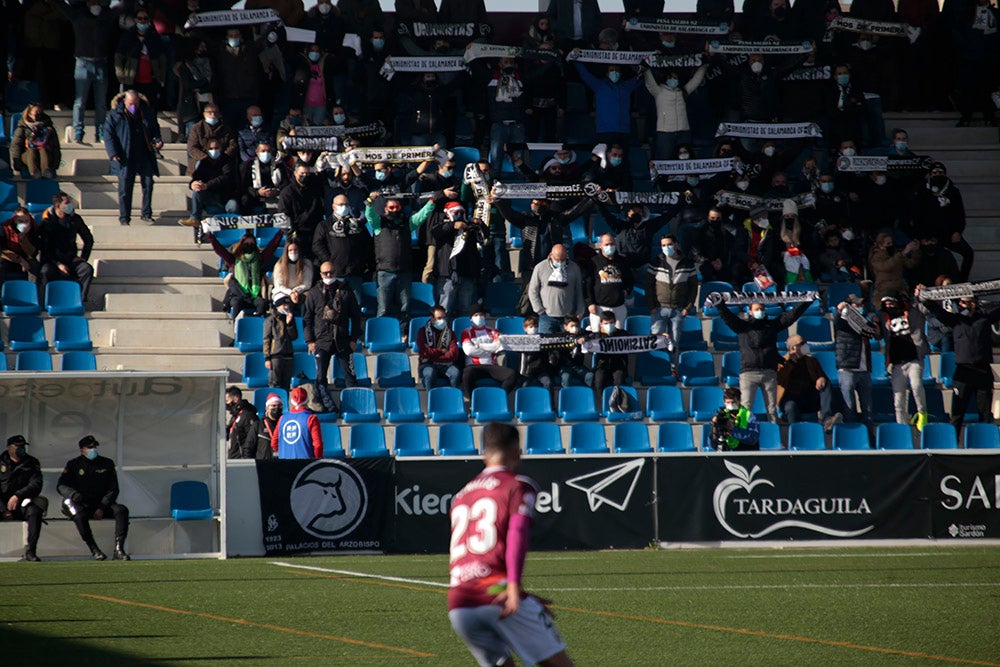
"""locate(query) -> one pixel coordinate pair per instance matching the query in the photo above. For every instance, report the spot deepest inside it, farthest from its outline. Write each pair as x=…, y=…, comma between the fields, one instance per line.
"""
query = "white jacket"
x=671, y=107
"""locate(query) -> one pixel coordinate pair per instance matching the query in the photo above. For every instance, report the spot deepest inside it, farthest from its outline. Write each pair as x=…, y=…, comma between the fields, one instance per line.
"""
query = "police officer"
x=20, y=484
x=89, y=486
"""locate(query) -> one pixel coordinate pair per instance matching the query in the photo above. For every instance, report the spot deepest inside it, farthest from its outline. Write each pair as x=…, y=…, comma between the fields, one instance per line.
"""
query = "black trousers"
x=119, y=512
x=962, y=395
x=604, y=378
x=345, y=359
x=32, y=515
x=507, y=377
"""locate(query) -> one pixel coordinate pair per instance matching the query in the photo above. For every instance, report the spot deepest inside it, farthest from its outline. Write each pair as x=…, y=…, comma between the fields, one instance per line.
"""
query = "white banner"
x=371, y=129
x=687, y=60
x=425, y=29
x=744, y=202
x=608, y=57
x=960, y=291
x=300, y=36
x=543, y=191
x=534, y=343
x=420, y=64
x=766, y=298
x=477, y=50
x=679, y=26
x=213, y=224
x=647, y=198
x=761, y=48
x=769, y=130
x=392, y=154
x=324, y=144
x=823, y=73
x=226, y=18
x=862, y=163
x=710, y=166
x=881, y=28
x=625, y=344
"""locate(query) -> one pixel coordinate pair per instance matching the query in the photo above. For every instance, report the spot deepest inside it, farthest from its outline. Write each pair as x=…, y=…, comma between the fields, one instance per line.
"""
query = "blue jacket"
x=613, y=100
x=118, y=137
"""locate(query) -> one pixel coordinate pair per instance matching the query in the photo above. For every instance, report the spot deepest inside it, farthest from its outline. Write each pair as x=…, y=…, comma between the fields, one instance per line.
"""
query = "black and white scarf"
x=255, y=175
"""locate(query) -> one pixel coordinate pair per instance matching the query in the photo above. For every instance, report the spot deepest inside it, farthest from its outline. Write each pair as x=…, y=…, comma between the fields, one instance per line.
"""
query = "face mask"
x=272, y=37
x=214, y=153
x=329, y=281
x=479, y=320
x=615, y=161
x=880, y=180
x=142, y=27
x=901, y=146
x=607, y=328
x=673, y=83
x=274, y=413
x=763, y=223
x=69, y=208
x=249, y=256
x=19, y=452
x=95, y=10
x=563, y=160
x=864, y=45
x=732, y=407
x=890, y=250
x=293, y=257
x=324, y=9
x=446, y=173
x=634, y=218
x=90, y=453
x=692, y=180
x=804, y=349
x=743, y=185
x=938, y=183
x=393, y=215
x=531, y=331
x=756, y=67
x=440, y=324
x=684, y=155
x=573, y=330
x=608, y=250
x=339, y=118
x=826, y=187
x=848, y=152
x=758, y=314
x=379, y=44
x=966, y=312
x=670, y=251
x=769, y=151
x=667, y=45
x=233, y=42
x=295, y=121
x=614, y=77
x=313, y=56
x=859, y=309
x=557, y=265
x=22, y=227
x=848, y=235
x=381, y=175
x=256, y=121
x=340, y=210
x=843, y=79
x=264, y=157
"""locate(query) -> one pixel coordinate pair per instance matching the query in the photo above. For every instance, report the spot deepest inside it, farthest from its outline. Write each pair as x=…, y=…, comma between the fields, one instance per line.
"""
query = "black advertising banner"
x=715, y=498
x=324, y=505
x=585, y=503
x=965, y=496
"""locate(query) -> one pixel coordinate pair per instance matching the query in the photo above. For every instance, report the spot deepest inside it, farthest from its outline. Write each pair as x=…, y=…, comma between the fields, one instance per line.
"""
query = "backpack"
x=318, y=397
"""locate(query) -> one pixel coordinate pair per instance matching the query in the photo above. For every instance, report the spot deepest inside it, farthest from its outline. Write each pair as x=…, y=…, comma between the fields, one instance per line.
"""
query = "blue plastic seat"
x=304, y=364
x=673, y=436
x=260, y=398
x=456, y=440
x=369, y=299
x=20, y=297
x=415, y=329
x=587, y=438
x=189, y=501
x=367, y=441
x=981, y=436
x=33, y=360
x=723, y=338
x=759, y=408
x=357, y=404
x=880, y=374
x=665, y=403
x=947, y=371
x=3, y=362
x=938, y=436
x=806, y=436
x=72, y=332
x=489, y=404
x=697, y=369
x=634, y=414
x=770, y=436
x=576, y=404
x=392, y=369
x=851, y=437
x=893, y=436
x=8, y=196
x=249, y=334
x=75, y=361
x=228, y=237
x=446, y=404
x=771, y=310
x=382, y=334
x=333, y=446
x=654, y=368
x=514, y=236
x=692, y=334
x=38, y=193
x=631, y=438
x=838, y=292
x=421, y=297
x=402, y=405
x=502, y=298
x=638, y=325
x=511, y=325
x=533, y=404
x=543, y=438
x=461, y=323
x=731, y=368
x=818, y=331
x=412, y=440
x=62, y=297
x=360, y=371
x=882, y=403
x=264, y=235
x=828, y=361
x=704, y=403
x=26, y=333
x=254, y=373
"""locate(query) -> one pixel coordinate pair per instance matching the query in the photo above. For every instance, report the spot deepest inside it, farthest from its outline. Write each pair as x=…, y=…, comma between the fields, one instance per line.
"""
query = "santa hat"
x=299, y=396
x=271, y=399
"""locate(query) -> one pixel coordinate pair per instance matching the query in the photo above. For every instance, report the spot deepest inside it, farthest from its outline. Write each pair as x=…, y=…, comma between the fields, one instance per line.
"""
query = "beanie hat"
x=299, y=396
x=789, y=207
x=272, y=398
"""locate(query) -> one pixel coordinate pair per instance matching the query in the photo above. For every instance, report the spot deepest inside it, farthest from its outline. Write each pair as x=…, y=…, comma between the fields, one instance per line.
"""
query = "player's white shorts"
x=530, y=632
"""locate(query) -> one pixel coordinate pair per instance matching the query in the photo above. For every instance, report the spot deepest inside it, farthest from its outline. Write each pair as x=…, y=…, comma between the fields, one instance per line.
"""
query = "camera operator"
x=734, y=427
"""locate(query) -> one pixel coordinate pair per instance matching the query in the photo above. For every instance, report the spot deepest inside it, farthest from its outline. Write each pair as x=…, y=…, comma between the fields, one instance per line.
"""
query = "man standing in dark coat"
x=132, y=139
x=332, y=323
x=20, y=484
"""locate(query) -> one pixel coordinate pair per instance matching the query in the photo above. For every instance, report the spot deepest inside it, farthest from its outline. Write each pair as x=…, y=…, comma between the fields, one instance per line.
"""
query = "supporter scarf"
x=858, y=322
x=477, y=50
x=960, y=291
x=430, y=335
x=679, y=26
x=647, y=198
x=744, y=202
x=323, y=144
x=420, y=64
x=657, y=60
x=769, y=130
x=255, y=175
x=625, y=344
x=761, y=48
x=425, y=29
x=371, y=129
x=558, y=277
x=881, y=28
x=823, y=73
x=279, y=220
x=508, y=86
x=230, y=17
x=711, y=166
x=608, y=57
x=247, y=274
x=535, y=343
x=543, y=191
x=766, y=298
x=393, y=154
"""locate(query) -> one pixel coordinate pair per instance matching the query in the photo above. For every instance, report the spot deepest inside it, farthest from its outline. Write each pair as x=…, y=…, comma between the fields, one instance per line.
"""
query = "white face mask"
x=478, y=320
x=95, y=10
x=573, y=330
x=531, y=331
x=756, y=67
x=608, y=250
x=847, y=235
x=849, y=152
x=743, y=185
x=732, y=407
x=880, y=180
x=758, y=314
x=763, y=224
x=22, y=227
x=684, y=156
x=293, y=257
x=804, y=349
x=329, y=281
x=607, y=328
x=264, y=157
x=669, y=250
x=324, y=9
x=340, y=210
x=769, y=151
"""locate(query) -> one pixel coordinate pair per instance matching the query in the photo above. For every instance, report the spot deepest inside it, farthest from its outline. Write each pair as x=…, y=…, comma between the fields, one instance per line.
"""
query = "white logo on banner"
x=328, y=499
x=610, y=486
x=780, y=507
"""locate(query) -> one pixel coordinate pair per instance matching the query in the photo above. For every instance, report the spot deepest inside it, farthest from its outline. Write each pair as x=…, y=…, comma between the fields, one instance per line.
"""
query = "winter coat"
x=23, y=133
x=278, y=336
x=671, y=286
x=345, y=242
x=613, y=100
x=887, y=271
x=198, y=137
x=344, y=324
x=852, y=349
x=671, y=103
x=758, y=339
x=57, y=238
x=608, y=282
x=120, y=132
x=129, y=53
x=242, y=436
x=22, y=479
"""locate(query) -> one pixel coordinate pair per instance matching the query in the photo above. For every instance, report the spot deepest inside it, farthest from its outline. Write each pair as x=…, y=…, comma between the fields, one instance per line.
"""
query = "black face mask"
x=930, y=250
x=634, y=218
x=890, y=250
x=20, y=452
x=232, y=407
x=938, y=181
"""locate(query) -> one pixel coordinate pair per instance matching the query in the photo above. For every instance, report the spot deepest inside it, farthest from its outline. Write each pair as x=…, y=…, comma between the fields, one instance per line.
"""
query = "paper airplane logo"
x=610, y=486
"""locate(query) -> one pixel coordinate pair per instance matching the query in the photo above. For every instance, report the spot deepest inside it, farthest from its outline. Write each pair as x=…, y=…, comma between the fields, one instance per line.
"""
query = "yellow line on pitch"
x=266, y=626
x=697, y=626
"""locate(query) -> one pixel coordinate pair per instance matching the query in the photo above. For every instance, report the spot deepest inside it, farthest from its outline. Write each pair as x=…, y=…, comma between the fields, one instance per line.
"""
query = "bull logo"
x=328, y=499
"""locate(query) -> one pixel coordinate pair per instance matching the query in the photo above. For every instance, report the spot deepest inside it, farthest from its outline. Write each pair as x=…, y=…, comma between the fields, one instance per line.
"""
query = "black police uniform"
x=24, y=480
x=91, y=485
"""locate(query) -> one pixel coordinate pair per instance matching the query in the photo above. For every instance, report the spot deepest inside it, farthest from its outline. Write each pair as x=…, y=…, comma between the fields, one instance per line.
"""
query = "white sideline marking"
x=769, y=586
x=349, y=573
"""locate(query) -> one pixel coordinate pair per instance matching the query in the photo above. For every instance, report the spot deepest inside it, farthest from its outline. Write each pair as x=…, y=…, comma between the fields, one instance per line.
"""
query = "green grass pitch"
x=921, y=605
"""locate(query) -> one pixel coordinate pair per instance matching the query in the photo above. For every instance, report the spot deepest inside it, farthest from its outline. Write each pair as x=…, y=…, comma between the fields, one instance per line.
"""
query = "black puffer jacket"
x=243, y=432
x=971, y=333
x=849, y=345
x=22, y=479
x=759, y=338
x=336, y=333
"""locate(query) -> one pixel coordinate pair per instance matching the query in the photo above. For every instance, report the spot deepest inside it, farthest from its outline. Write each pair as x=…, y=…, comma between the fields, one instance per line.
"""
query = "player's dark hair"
x=500, y=439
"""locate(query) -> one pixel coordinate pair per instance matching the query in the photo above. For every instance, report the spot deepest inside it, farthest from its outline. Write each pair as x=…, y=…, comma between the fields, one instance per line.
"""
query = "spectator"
x=739, y=431
x=196, y=81
x=607, y=284
x=480, y=344
x=803, y=387
x=19, y=247
x=343, y=240
x=854, y=359
x=540, y=228
x=507, y=100
x=547, y=88
x=362, y=17
x=249, y=138
x=20, y=486
x=610, y=370
x=720, y=245
x=538, y=369
x=845, y=106
x=887, y=265
x=44, y=51
x=242, y=427
x=933, y=262
x=940, y=211
x=971, y=327
x=93, y=25
x=213, y=185
x=393, y=259
x=280, y=331
x=796, y=241
x=570, y=361
x=298, y=434
x=437, y=350
x=377, y=100
x=758, y=341
x=302, y=201
x=35, y=144
x=613, y=101
x=313, y=83
x=575, y=22
x=672, y=128
x=939, y=335
x=209, y=128
x=555, y=290
x=238, y=71
x=671, y=288
x=140, y=60
x=293, y=276
x=291, y=12
x=496, y=256
x=261, y=181
x=834, y=262
x=58, y=253
x=904, y=358
x=975, y=43
x=347, y=183
x=611, y=172
x=332, y=325
x=286, y=128
x=132, y=141
x=245, y=283
x=267, y=425
x=458, y=261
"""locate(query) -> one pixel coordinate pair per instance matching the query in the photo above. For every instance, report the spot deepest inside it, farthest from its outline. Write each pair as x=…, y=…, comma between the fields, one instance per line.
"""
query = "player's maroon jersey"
x=480, y=514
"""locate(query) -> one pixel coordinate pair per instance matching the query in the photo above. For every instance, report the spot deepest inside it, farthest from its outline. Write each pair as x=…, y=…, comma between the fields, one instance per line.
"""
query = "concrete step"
x=147, y=252
x=101, y=192
x=140, y=358
x=964, y=171
x=210, y=287
x=981, y=195
x=175, y=336
x=107, y=232
x=105, y=219
x=169, y=165
x=168, y=304
x=945, y=133
x=958, y=151
x=143, y=268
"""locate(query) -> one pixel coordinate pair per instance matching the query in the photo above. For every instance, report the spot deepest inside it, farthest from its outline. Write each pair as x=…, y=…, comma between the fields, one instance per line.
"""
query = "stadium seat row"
x=27, y=332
